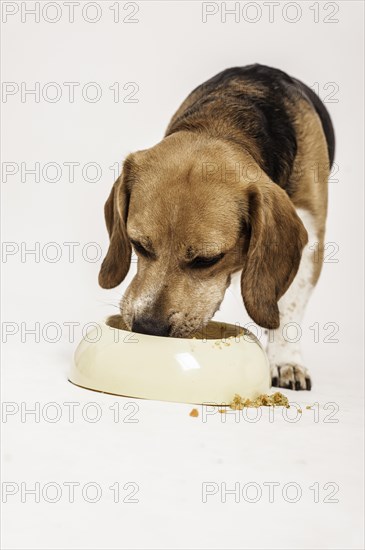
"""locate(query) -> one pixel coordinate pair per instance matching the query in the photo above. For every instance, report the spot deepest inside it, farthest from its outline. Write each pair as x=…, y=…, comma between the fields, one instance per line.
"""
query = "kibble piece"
x=194, y=413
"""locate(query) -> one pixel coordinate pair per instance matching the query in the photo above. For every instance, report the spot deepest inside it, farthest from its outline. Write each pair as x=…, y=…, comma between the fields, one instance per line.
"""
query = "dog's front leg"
x=283, y=349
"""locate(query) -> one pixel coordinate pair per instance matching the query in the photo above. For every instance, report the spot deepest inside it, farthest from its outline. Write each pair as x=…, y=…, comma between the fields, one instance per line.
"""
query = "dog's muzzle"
x=152, y=326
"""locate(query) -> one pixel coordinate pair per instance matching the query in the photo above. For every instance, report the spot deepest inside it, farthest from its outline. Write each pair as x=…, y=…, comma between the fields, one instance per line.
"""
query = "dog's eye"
x=200, y=261
x=141, y=249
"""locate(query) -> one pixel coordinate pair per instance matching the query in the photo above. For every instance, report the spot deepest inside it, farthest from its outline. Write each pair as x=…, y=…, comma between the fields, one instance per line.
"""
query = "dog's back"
x=259, y=108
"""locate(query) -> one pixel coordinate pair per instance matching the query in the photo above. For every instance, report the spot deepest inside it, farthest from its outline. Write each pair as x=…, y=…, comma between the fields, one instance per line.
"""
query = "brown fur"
x=310, y=174
x=192, y=195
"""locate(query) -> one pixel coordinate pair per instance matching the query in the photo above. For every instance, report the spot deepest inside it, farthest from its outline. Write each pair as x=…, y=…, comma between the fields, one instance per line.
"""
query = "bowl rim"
x=246, y=332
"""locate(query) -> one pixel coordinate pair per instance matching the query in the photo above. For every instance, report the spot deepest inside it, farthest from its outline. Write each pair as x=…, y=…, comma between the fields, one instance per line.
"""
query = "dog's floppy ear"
x=277, y=238
x=117, y=260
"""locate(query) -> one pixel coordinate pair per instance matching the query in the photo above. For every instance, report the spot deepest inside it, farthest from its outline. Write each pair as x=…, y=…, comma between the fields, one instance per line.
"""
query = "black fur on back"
x=259, y=110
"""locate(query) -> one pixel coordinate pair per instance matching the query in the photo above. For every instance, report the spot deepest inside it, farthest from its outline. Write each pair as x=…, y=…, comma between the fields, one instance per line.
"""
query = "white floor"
x=180, y=469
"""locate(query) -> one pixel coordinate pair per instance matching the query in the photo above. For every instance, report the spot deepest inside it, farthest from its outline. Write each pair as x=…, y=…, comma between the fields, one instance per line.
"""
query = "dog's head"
x=193, y=219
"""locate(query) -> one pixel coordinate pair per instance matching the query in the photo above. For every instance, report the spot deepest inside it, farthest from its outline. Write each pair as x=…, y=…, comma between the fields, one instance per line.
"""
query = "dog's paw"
x=290, y=376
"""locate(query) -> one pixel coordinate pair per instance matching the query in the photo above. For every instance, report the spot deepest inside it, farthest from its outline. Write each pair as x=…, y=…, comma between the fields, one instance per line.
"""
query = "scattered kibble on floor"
x=238, y=403
x=277, y=399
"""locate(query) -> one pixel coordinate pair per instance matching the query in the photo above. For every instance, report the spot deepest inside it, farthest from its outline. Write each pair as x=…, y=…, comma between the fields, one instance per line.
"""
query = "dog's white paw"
x=290, y=376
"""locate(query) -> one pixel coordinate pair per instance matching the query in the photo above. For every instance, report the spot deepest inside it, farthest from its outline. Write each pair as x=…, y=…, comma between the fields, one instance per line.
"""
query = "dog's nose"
x=148, y=325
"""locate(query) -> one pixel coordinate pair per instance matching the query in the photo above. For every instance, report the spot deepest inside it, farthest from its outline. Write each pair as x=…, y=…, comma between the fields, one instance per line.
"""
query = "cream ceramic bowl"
x=209, y=368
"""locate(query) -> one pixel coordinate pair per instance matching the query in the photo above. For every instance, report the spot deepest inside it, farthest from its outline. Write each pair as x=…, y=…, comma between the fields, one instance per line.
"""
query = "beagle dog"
x=238, y=183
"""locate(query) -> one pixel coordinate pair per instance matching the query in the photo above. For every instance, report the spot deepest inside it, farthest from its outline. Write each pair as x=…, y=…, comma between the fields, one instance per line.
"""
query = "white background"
x=167, y=453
